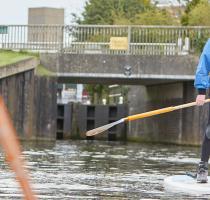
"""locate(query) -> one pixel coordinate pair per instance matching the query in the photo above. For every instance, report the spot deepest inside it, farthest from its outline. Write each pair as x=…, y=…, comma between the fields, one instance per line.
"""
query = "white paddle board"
x=186, y=184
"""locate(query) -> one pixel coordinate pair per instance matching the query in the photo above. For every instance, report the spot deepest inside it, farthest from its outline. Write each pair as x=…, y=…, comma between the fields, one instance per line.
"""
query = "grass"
x=11, y=57
x=8, y=57
x=42, y=71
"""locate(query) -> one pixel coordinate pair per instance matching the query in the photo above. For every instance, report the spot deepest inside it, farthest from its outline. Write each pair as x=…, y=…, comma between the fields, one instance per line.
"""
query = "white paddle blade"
x=103, y=128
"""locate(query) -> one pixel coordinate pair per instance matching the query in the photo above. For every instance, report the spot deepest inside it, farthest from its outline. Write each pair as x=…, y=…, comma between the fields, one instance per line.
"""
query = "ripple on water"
x=100, y=170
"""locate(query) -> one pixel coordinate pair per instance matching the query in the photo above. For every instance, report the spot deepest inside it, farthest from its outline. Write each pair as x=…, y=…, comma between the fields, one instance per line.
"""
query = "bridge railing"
x=105, y=39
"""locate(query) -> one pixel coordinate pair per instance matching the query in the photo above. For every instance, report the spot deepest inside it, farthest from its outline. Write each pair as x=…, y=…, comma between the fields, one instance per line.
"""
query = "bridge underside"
x=144, y=79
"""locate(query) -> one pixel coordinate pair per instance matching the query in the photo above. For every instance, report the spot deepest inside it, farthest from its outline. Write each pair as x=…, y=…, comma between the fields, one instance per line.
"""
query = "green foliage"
x=97, y=92
x=124, y=12
x=93, y=14
x=42, y=71
x=190, y=6
x=133, y=7
x=197, y=13
x=199, y=40
x=120, y=19
x=154, y=17
x=24, y=52
x=200, y=15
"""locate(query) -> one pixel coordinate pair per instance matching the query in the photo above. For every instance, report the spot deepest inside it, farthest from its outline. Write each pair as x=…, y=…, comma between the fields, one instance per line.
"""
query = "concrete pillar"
x=45, y=108
x=185, y=126
x=194, y=119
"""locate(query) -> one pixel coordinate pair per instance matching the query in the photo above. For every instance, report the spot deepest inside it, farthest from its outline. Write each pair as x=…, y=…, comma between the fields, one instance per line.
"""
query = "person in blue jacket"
x=202, y=83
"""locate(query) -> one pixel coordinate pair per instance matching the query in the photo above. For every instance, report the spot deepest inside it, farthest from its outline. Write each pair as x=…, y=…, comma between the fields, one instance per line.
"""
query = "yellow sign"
x=118, y=43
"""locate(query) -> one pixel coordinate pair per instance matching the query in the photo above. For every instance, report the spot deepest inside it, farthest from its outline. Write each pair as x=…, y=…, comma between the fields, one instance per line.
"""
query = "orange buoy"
x=11, y=146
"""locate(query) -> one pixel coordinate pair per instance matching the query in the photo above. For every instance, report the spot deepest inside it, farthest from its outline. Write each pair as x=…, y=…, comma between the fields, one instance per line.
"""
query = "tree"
x=197, y=14
x=106, y=11
x=154, y=17
x=124, y=12
x=200, y=15
x=190, y=7
x=97, y=92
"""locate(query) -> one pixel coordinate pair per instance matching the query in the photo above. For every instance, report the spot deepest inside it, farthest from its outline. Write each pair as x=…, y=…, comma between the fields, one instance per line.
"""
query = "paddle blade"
x=103, y=128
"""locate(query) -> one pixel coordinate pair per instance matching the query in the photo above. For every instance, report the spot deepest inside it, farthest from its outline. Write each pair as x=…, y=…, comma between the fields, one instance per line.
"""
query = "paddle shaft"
x=11, y=146
x=161, y=111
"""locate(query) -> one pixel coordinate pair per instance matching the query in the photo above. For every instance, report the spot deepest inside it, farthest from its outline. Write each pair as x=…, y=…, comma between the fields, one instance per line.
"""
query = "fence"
x=105, y=39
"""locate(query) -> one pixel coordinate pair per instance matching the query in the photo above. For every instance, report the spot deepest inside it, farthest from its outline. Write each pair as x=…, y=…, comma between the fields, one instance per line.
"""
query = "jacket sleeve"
x=203, y=69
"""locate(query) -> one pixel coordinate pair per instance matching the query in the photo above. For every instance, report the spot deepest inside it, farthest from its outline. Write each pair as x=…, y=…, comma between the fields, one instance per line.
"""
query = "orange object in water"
x=11, y=146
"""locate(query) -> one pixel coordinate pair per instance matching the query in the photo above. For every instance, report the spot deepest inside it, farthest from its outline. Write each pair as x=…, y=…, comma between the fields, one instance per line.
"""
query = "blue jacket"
x=202, y=80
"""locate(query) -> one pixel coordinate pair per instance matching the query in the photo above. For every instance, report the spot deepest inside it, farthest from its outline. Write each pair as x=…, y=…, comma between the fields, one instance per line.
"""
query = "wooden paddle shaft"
x=11, y=146
x=161, y=111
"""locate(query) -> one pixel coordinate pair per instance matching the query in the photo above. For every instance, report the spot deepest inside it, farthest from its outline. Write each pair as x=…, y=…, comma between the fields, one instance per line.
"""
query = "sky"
x=16, y=11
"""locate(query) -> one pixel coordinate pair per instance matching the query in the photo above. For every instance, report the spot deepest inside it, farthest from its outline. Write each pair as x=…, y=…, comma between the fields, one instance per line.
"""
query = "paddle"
x=11, y=146
x=140, y=116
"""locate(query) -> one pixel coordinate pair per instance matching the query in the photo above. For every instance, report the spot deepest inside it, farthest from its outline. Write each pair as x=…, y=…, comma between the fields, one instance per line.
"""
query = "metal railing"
x=97, y=39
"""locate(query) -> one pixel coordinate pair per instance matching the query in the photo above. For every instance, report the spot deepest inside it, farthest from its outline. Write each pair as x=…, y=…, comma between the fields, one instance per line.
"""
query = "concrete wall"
x=45, y=15
x=184, y=126
x=114, y=64
x=31, y=101
x=19, y=99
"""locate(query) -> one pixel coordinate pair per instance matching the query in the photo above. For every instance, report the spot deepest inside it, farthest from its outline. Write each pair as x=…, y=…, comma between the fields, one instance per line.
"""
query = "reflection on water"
x=100, y=170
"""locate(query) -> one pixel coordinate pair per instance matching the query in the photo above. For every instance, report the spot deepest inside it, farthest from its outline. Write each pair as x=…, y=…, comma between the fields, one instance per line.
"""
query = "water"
x=100, y=170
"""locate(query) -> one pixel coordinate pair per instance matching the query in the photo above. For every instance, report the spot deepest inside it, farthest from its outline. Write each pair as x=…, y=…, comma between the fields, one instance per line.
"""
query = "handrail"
x=172, y=40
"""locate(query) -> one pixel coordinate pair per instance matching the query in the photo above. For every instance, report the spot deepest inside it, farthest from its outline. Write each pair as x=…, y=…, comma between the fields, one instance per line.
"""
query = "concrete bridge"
x=162, y=68
x=158, y=81
x=121, y=69
x=111, y=54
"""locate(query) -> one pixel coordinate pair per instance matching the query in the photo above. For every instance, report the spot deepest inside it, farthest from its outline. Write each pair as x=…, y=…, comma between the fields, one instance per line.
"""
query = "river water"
x=100, y=170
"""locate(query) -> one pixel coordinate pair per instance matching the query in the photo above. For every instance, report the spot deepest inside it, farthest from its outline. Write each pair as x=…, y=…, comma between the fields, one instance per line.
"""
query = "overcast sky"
x=16, y=11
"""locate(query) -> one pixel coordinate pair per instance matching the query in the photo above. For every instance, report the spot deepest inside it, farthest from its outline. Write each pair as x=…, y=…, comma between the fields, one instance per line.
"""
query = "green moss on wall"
x=42, y=71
